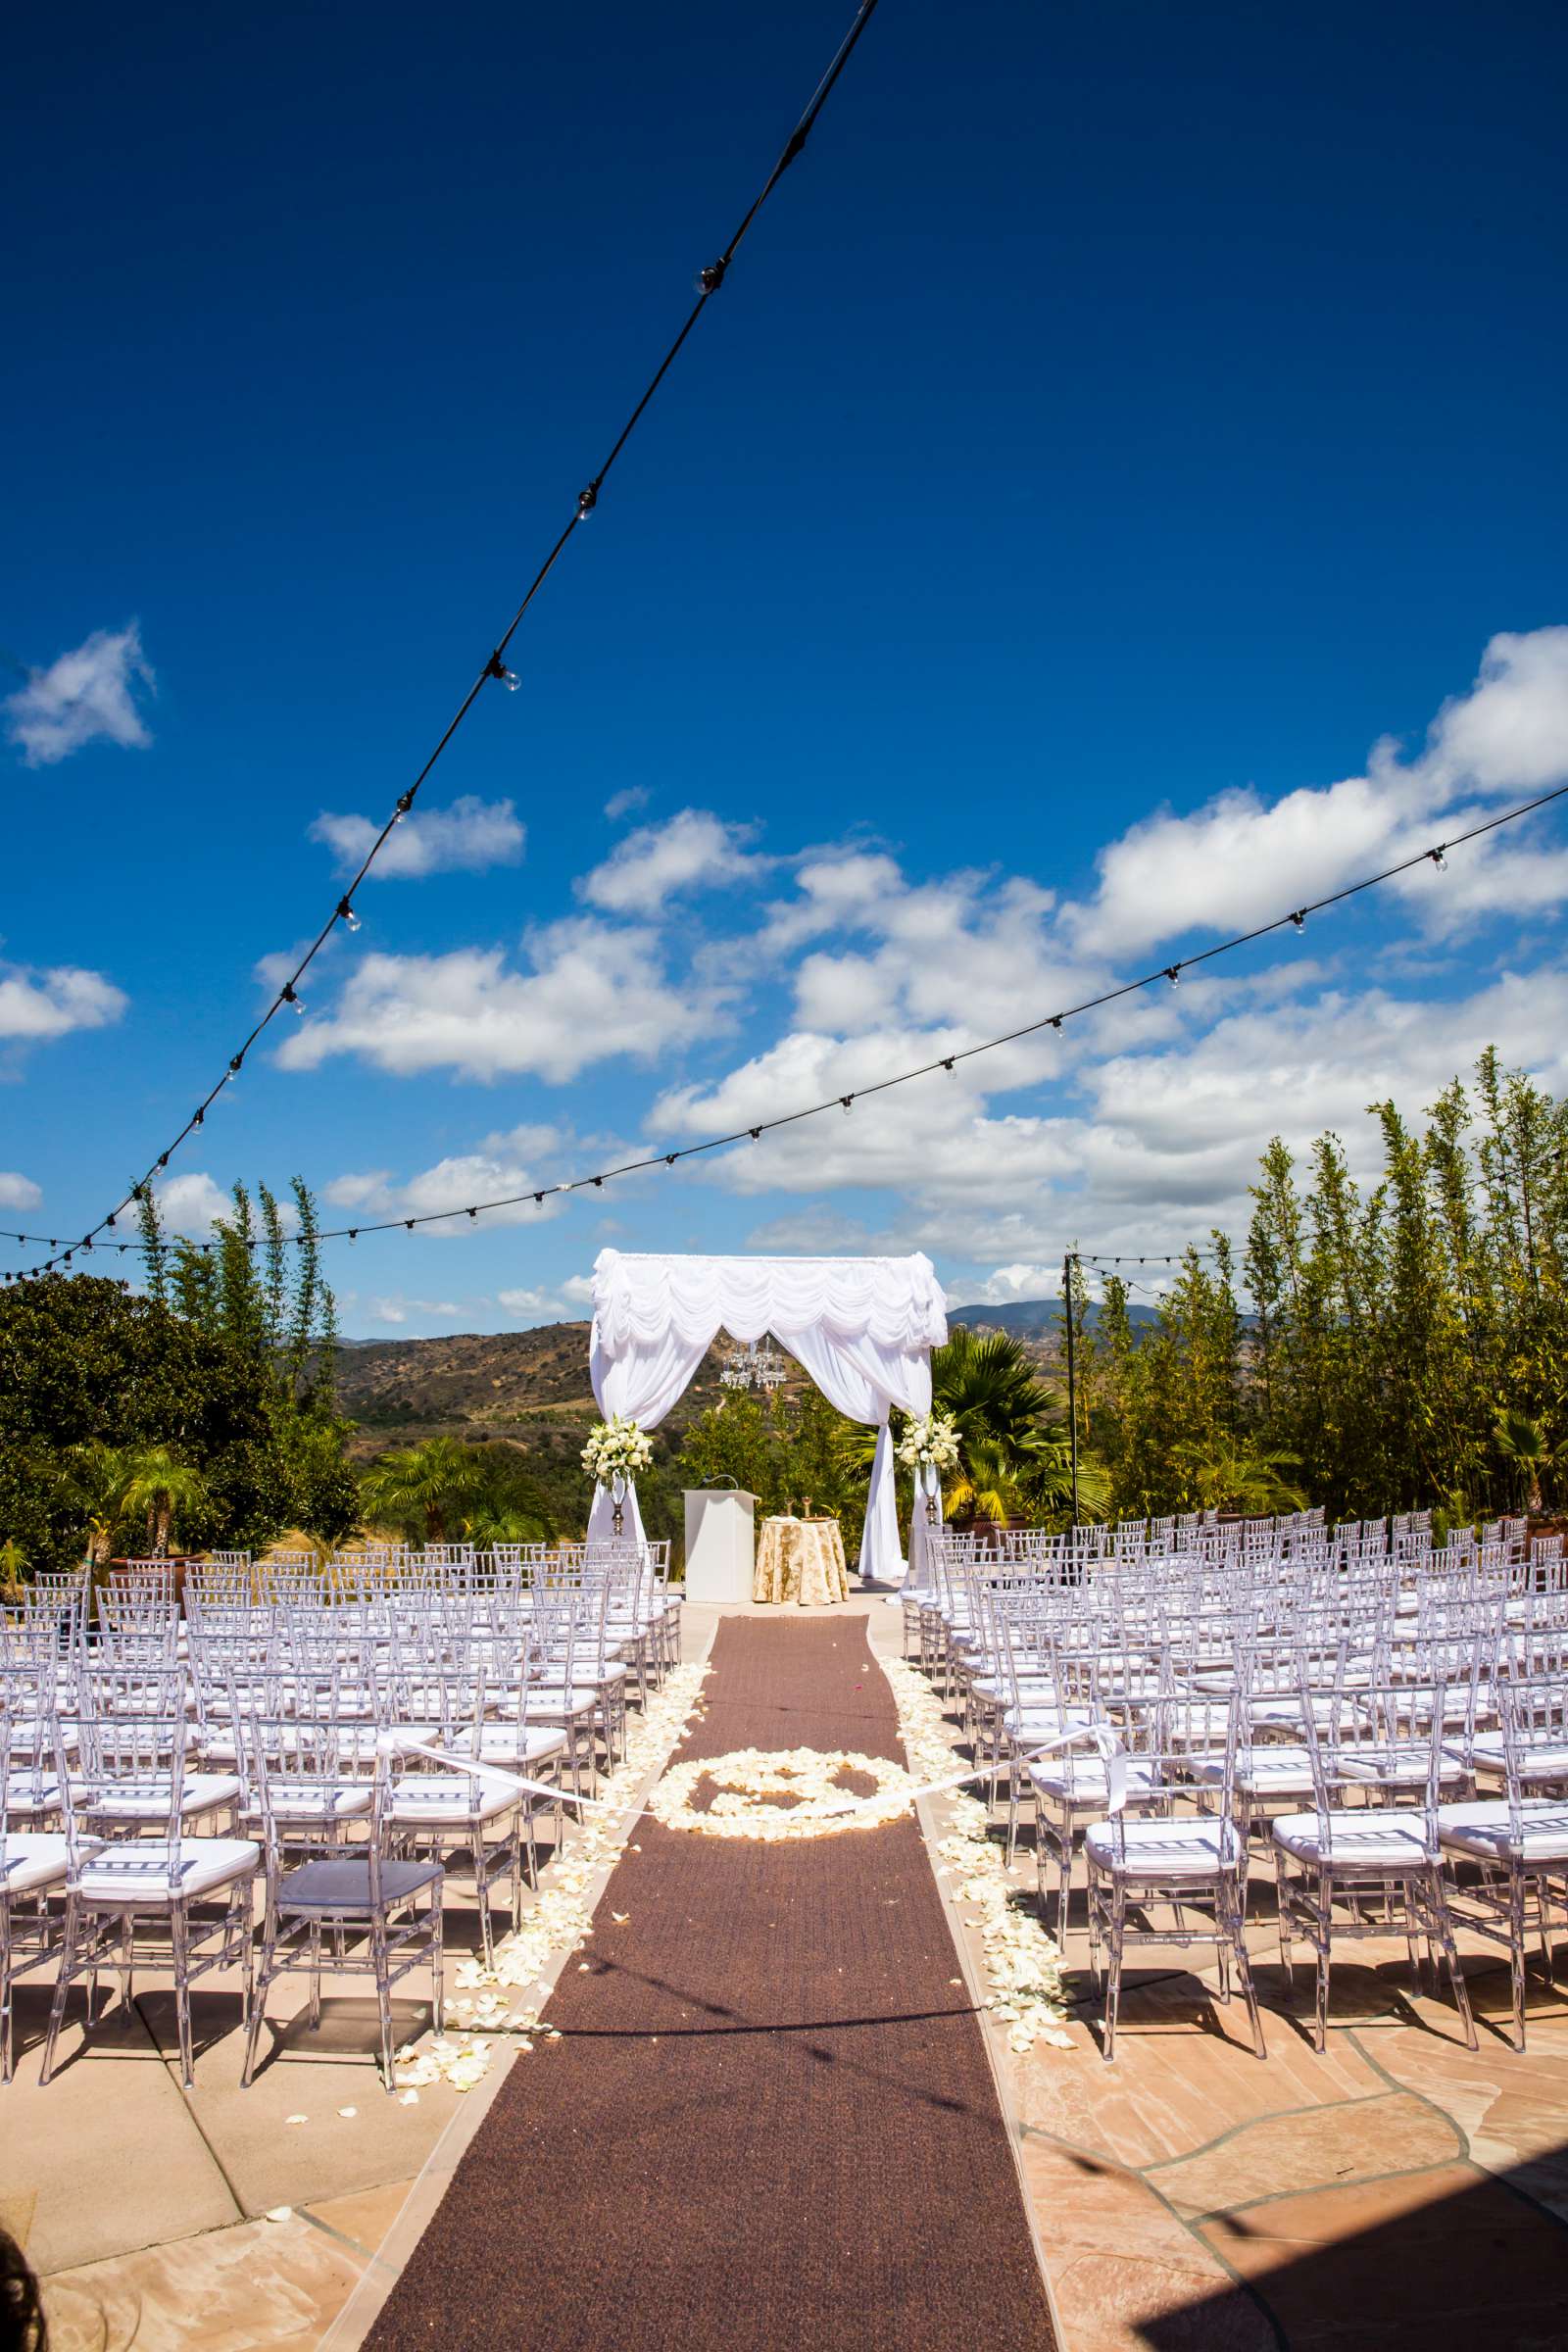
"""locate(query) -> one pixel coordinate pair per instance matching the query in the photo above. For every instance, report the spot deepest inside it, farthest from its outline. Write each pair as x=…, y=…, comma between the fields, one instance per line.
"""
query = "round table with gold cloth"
x=801, y=1560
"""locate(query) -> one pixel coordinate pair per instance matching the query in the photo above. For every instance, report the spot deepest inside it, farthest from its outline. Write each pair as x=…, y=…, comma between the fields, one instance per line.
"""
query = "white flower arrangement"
x=930, y=1441
x=616, y=1449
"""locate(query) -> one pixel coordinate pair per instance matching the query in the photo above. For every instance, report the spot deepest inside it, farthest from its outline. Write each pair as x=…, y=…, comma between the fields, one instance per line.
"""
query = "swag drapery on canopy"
x=862, y=1327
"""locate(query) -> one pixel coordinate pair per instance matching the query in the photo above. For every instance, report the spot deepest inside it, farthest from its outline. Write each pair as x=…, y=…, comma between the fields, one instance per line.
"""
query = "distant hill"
x=528, y=1386
x=533, y=1386
x=1032, y=1318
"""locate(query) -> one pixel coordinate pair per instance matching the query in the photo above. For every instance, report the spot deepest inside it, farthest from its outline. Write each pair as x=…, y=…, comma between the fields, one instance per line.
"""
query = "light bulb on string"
x=295, y=1003
x=347, y=915
x=1437, y=856
x=1300, y=922
x=1173, y=973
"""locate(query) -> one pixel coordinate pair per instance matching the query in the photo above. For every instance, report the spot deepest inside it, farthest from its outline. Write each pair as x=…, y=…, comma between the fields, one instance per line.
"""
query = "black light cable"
x=710, y=278
x=881, y=1085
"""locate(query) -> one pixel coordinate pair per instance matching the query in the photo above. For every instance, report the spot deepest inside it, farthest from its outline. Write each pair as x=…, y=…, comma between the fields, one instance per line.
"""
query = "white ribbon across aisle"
x=1112, y=1754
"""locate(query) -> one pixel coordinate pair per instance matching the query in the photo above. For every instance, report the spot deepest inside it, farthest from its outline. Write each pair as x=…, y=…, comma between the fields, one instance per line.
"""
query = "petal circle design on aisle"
x=781, y=1794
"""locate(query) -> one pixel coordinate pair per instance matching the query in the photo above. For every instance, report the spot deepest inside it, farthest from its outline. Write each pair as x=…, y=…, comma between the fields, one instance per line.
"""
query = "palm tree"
x=1014, y=1455
x=500, y=1523
x=1244, y=1478
x=98, y=1475
x=424, y=1489
x=985, y=1384
x=1522, y=1442
x=157, y=1482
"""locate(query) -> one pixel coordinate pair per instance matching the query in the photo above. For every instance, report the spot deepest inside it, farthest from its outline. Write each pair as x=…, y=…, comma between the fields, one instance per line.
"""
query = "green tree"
x=424, y=1491
x=87, y=1370
x=1522, y=1444
x=157, y=1484
x=265, y=1293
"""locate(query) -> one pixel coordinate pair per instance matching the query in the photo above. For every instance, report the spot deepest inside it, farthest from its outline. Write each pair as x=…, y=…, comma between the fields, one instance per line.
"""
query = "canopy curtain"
x=862, y=1327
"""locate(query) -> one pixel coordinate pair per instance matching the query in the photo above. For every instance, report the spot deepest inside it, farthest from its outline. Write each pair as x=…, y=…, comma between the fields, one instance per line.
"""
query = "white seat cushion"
x=1402, y=1766
x=499, y=1743
x=428, y=1802
x=1359, y=1838
x=1036, y=1689
x=137, y=1873
x=24, y=1794
x=1159, y=1851
x=1482, y=1831
x=1085, y=1781
x=1286, y=1711
x=32, y=1859
x=1283, y=1770
x=1025, y=1723
x=347, y=1800
x=551, y=1704
x=146, y=1796
x=1538, y=1760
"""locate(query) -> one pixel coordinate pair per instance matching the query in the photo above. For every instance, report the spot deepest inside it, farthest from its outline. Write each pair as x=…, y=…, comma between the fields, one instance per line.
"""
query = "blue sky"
x=1121, y=425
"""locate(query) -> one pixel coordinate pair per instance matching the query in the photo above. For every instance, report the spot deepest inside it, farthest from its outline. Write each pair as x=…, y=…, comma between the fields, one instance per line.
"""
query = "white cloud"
x=517, y=1163
x=17, y=1191
x=563, y=1304
x=467, y=838
x=1510, y=733
x=372, y=1191
x=594, y=992
x=190, y=1205
x=42, y=1004
x=692, y=851
x=85, y=695
x=397, y=1310
x=1006, y=1284
x=627, y=803
x=1239, y=859
x=530, y=1306
x=810, y=1232
x=1143, y=1150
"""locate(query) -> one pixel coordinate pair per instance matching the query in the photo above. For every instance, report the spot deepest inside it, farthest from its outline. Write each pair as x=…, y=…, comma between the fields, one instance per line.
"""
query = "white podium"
x=720, y=1544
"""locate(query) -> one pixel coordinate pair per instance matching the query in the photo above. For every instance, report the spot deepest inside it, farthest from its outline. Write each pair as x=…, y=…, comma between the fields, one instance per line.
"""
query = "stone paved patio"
x=1398, y=2190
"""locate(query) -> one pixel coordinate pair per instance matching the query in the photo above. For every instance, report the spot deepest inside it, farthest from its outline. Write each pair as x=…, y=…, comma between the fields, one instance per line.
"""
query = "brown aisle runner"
x=772, y=2120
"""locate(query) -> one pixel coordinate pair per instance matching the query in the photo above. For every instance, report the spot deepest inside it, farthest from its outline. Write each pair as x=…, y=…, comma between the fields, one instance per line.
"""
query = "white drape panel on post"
x=922, y=1529
x=862, y=1327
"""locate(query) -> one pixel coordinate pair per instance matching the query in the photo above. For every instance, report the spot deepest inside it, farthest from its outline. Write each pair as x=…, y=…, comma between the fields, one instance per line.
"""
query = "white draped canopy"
x=862, y=1327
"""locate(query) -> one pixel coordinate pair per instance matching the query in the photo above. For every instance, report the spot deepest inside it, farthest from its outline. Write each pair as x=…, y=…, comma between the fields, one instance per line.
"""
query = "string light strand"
x=710, y=278
x=539, y=1194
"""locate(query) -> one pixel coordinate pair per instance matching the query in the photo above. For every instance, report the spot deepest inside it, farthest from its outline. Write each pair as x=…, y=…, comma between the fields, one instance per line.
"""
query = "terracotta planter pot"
x=179, y=1562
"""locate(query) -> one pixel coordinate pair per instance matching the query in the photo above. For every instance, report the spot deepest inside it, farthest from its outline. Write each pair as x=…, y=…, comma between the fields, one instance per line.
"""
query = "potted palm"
x=156, y=1486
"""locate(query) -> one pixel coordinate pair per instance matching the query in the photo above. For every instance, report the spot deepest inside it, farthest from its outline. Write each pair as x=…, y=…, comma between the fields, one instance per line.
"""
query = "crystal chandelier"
x=757, y=1365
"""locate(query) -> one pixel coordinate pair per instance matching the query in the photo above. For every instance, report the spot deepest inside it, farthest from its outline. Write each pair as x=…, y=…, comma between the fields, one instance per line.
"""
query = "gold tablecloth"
x=801, y=1560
